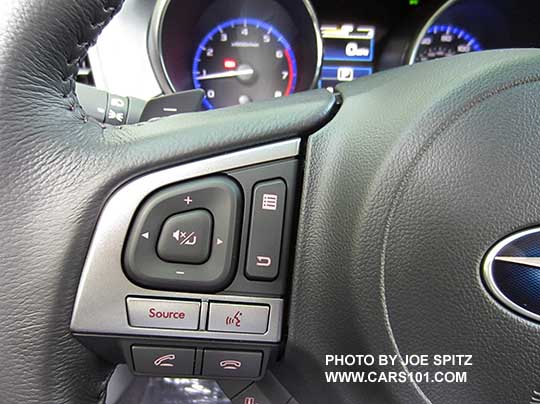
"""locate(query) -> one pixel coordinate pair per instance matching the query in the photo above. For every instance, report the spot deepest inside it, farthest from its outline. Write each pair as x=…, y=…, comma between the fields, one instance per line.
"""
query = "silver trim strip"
x=320, y=46
x=487, y=272
x=424, y=30
x=154, y=46
x=100, y=304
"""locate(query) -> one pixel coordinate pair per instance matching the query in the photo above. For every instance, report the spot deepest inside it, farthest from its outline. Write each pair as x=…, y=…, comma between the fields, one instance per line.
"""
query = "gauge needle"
x=223, y=75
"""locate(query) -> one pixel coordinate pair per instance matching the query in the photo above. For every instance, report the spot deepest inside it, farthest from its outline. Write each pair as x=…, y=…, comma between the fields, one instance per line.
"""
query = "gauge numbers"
x=445, y=40
x=244, y=60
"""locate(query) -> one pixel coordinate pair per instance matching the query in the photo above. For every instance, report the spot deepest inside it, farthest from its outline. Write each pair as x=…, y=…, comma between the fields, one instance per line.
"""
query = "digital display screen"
x=348, y=53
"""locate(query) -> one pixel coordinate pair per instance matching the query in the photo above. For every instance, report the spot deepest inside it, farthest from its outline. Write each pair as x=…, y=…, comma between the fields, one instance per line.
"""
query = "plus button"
x=188, y=200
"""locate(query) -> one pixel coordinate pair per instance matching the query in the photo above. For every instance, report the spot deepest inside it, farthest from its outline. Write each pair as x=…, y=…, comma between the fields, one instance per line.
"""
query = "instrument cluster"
x=239, y=51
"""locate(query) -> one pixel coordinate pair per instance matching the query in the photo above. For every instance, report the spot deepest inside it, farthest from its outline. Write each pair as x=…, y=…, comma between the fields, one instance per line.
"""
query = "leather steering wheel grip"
x=40, y=45
x=58, y=168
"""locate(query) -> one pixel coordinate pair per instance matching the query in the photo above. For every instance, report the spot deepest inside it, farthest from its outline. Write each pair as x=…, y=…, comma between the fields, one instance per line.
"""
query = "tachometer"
x=244, y=60
x=445, y=40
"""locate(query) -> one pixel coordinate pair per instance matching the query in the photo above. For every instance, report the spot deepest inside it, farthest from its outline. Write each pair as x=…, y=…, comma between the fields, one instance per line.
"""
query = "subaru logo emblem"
x=511, y=271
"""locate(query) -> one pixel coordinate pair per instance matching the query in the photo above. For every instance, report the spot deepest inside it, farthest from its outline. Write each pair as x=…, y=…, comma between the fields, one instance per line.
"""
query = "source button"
x=172, y=314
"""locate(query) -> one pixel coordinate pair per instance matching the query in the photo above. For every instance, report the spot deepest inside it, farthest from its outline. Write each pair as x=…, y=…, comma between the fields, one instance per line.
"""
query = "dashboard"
x=240, y=51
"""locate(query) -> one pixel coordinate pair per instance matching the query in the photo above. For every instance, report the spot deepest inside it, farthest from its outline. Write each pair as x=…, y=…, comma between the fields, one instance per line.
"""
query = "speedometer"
x=244, y=60
x=445, y=40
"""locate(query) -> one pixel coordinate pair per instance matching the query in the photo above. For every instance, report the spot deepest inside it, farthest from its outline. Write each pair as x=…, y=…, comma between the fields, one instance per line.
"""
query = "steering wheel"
x=410, y=177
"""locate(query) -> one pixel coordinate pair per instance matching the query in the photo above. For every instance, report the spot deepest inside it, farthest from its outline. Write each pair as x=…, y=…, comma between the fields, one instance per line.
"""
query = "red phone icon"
x=162, y=361
x=230, y=364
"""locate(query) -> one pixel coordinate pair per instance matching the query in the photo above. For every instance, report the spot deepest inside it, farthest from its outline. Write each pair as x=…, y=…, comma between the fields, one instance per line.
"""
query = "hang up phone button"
x=232, y=364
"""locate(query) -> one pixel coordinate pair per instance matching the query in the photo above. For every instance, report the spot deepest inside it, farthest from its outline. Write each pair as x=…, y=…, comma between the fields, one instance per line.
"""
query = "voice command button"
x=238, y=318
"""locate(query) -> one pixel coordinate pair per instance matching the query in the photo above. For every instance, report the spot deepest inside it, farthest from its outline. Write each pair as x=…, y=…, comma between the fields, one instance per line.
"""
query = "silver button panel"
x=172, y=314
x=101, y=303
x=238, y=318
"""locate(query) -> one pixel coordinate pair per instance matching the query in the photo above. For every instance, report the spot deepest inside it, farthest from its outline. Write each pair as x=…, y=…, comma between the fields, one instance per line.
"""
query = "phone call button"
x=163, y=361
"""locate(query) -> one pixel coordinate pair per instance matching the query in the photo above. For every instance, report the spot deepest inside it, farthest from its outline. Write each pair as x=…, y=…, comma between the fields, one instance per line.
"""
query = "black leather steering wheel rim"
x=404, y=142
